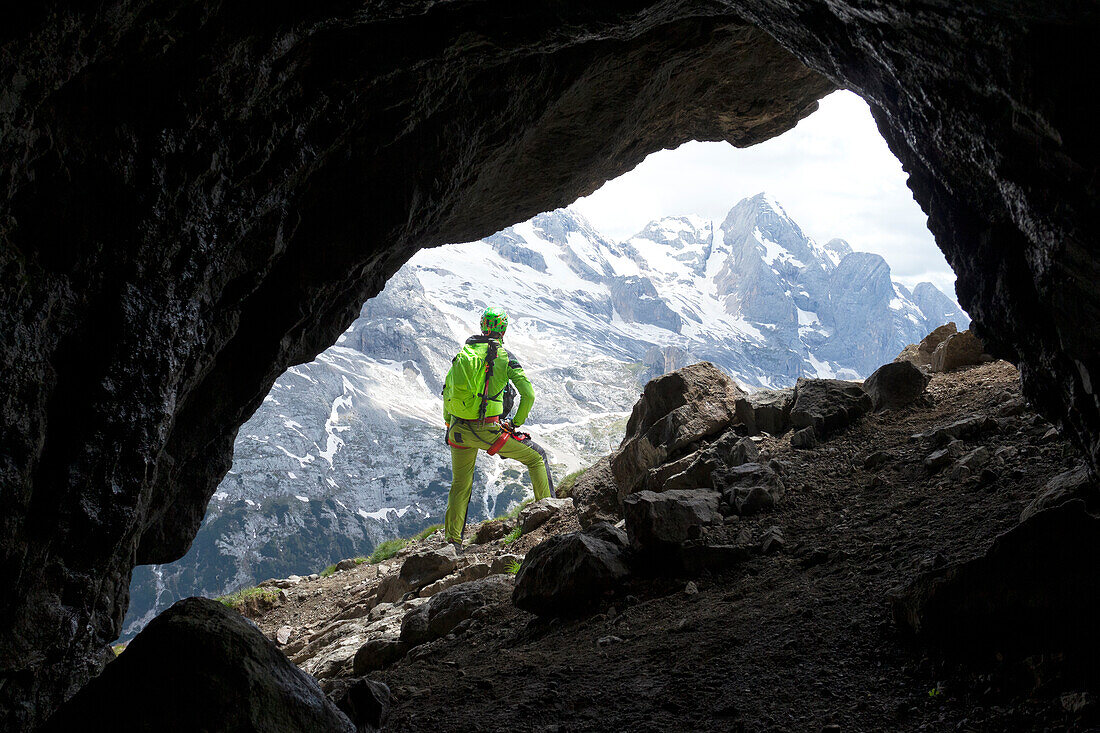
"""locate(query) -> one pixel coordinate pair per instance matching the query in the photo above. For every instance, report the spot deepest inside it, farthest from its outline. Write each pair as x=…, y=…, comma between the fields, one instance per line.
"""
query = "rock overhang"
x=237, y=184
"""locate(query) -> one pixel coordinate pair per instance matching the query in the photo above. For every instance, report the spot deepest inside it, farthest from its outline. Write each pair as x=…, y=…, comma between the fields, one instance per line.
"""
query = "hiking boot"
x=457, y=545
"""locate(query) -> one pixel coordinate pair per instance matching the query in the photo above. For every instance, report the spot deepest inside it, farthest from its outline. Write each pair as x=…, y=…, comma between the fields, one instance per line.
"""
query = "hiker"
x=476, y=402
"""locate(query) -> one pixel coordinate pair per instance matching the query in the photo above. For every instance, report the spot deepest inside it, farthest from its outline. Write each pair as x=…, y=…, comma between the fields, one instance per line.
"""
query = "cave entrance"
x=680, y=260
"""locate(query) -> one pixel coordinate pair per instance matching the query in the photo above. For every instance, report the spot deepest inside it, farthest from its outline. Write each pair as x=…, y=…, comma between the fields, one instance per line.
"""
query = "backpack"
x=464, y=392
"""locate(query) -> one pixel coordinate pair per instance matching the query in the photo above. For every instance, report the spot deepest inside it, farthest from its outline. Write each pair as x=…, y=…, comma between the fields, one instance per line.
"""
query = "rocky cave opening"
x=198, y=197
x=853, y=318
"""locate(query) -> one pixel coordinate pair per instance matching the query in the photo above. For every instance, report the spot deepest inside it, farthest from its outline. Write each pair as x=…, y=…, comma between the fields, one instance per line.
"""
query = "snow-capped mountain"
x=347, y=451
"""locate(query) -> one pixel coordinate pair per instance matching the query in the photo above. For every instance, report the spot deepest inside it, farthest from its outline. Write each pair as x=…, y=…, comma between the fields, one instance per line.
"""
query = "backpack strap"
x=490, y=357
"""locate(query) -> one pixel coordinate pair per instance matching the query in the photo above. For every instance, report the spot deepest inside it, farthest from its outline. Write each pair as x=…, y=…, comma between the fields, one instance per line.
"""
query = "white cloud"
x=833, y=174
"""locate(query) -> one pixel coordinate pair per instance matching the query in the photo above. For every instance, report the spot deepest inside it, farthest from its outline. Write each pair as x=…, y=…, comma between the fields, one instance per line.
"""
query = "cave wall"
x=196, y=195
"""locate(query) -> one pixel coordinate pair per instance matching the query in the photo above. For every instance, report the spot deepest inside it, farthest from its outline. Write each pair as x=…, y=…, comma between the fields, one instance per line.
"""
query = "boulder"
x=1032, y=592
x=568, y=575
x=938, y=335
x=913, y=354
x=655, y=521
x=365, y=702
x=535, y=514
x=766, y=411
x=804, y=438
x=895, y=385
x=696, y=470
x=503, y=563
x=201, y=666
x=378, y=654
x=348, y=564
x=920, y=354
x=752, y=500
x=448, y=608
x=959, y=350
x=488, y=531
x=828, y=405
x=1075, y=483
x=596, y=495
x=772, y=541
x=417, y=571
x=675, y=410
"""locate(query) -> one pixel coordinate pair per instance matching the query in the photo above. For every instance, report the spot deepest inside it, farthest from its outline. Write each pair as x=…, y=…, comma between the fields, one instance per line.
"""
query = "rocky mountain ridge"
x=345, y=452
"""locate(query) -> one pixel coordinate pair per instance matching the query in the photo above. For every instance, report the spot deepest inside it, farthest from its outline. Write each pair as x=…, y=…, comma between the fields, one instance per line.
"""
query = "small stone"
x=313, y=576
x=608, y=640
x=772, y=541
x=504, y=563
x=691, y=589
x=937, y=459
x=804, y=438
x=877, y=460
x=282, y=636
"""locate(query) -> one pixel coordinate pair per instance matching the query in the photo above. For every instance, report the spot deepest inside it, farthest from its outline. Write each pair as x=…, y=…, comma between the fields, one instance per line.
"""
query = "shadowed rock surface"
x=201, y=666
x=197, y=196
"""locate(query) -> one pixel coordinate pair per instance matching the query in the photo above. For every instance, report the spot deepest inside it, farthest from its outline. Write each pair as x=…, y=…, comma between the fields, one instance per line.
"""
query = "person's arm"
x=523, y=386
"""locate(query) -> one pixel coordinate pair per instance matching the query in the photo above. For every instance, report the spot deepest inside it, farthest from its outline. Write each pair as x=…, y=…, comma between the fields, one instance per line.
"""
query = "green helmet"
x=494, y=320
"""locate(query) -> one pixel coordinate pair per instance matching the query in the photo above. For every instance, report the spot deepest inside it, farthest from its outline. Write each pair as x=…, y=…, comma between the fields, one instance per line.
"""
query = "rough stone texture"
x=958, y=350
x=766, y=411
x=488, y=531
x=596, y=495
x=655, y=521
x=674, y=411
x=696, y=470
x=378, y=654
x=744, y=487
x=535, y=514
x=804, y=438
x=201, y=666
x=921, y=354
x=365, y=702
x=895, y=385
x=450, y=607
x=1066, y=486
x=1033, y=592
x=204, y=155
x=828, y=405
x=568, y=575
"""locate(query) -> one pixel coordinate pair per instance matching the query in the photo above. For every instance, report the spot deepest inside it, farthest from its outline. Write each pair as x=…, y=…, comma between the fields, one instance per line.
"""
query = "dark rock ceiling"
x=196, y=195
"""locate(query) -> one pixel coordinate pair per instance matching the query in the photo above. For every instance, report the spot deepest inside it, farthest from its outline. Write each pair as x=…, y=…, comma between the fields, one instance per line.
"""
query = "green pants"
x=481, y=437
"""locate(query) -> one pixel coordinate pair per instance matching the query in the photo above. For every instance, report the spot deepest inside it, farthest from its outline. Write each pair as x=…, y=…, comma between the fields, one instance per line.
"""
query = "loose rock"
x=449, y=607
x=225, y=675
x=659, y=520
x=895, y=385
x=568, y=575
x=828, y=405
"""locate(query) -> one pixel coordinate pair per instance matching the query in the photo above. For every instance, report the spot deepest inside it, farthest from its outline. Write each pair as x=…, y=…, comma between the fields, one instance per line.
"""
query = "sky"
x=833, y=173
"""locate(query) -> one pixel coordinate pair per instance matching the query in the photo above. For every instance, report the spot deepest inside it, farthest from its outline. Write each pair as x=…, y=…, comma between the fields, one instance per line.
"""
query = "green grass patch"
x=565, y=487
x=250, y=597
x=512, y=536
x=360, y=560
x=386, y=550
x=118, y=648
x=514, y=511
x=513, y=567
x=328, y=571
x=424, y=533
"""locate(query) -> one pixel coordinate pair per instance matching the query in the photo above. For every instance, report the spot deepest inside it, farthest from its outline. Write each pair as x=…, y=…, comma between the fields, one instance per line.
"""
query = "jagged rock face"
x=196, y=197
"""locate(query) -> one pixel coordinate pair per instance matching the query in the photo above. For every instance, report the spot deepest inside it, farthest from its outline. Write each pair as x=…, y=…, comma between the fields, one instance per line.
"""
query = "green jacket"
x=505, y=369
